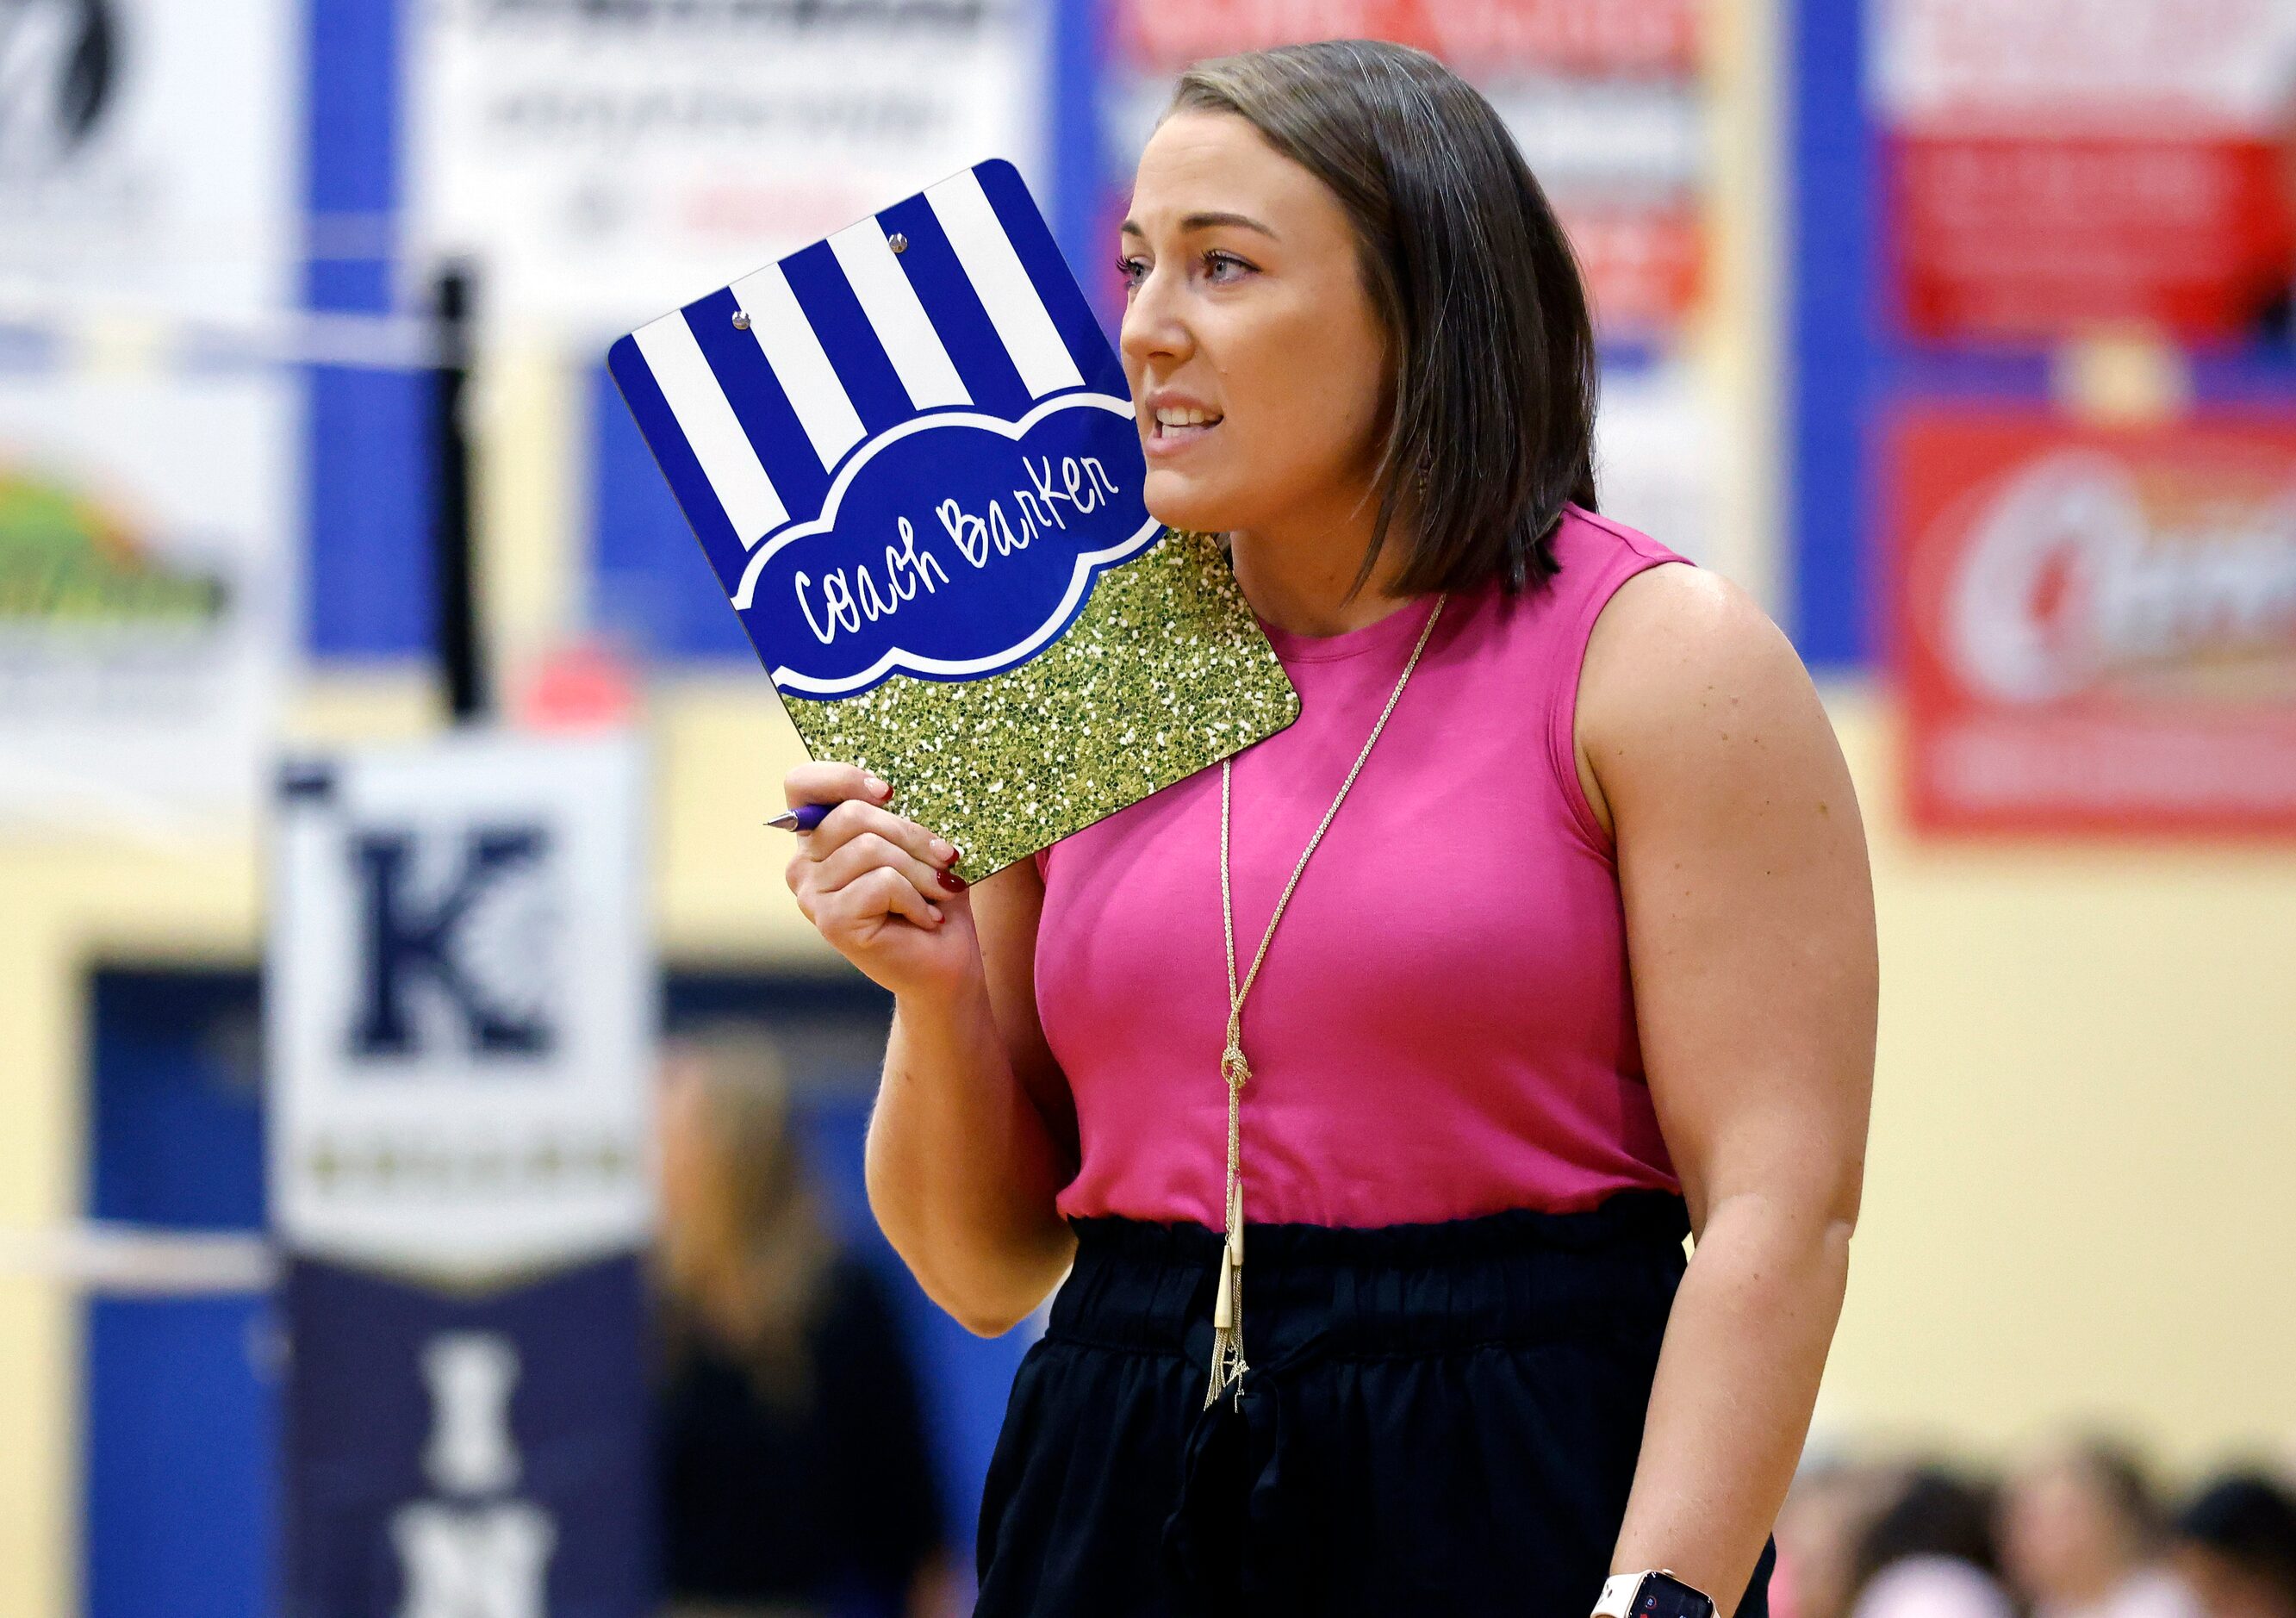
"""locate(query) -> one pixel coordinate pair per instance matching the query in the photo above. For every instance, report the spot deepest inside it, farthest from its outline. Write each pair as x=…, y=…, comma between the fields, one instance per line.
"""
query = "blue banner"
x=467, y=1457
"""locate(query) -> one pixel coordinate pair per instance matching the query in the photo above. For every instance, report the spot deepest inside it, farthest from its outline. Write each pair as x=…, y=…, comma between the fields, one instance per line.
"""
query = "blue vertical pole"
x=1079, y=151
x=366, y=496
x=1832, y=290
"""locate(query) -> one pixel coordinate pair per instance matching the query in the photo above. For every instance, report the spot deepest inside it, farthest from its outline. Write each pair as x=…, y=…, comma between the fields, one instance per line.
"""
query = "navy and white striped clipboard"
x=909, y=453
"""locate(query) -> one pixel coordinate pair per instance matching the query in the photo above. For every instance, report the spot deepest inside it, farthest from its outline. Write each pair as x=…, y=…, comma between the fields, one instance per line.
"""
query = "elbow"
x=1809, y=1224
x=987, y=1322
x=994, y=1296
x=988, y=1289
x=986, y=1306
x=981, y=1269
x=1840, y=1208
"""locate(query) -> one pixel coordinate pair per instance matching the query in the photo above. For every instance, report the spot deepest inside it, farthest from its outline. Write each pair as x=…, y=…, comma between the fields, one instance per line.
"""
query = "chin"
x=1185, y=505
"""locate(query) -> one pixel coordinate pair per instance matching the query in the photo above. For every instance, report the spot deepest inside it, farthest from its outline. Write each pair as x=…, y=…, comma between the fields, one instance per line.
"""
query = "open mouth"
x=1177, y=426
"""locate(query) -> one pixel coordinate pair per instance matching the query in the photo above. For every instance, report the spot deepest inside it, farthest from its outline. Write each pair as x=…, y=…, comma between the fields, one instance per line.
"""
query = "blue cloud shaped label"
x=952, y=547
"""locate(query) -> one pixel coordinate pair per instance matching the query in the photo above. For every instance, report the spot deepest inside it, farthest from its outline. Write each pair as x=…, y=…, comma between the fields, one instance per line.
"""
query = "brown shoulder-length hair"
x=1495, y=370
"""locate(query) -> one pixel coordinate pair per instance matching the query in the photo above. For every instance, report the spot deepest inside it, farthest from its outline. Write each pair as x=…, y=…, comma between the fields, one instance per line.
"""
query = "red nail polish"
x=952, y=882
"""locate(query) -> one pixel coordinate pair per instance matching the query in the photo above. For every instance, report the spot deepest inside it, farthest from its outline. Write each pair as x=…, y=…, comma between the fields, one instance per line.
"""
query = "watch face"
x=1664, y=1595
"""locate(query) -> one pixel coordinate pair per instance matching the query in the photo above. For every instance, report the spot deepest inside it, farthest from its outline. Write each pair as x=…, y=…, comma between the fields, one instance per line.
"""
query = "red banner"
x=1606, y=97
x=1631, y=37
x=2033, y=237
x=2054, y=169
x=2095, y=630
x=1644, y=267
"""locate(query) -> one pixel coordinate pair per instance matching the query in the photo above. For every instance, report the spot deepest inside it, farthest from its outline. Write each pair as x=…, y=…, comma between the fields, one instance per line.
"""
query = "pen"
x=804, y=818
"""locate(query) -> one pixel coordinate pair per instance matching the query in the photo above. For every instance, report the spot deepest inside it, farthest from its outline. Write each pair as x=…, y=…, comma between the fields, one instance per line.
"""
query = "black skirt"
x=1439, y=1420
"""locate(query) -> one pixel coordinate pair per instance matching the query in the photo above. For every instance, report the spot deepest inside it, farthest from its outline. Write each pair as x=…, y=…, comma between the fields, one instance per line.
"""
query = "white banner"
x=148, y=181
x=146, y=595
x=148, y=155
x=1656, y=467
x=2110, y=65
x=603, y=163
x=461, y=1006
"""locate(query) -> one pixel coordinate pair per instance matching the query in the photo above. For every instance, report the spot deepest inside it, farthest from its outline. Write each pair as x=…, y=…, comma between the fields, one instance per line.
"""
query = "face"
x=1818, y=1531
x=1253, y=349
x=2061, y=1538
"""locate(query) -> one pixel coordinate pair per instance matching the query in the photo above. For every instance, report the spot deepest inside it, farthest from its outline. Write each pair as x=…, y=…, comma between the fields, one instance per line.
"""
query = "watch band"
x=1656, y=1593
x=1617, y=1594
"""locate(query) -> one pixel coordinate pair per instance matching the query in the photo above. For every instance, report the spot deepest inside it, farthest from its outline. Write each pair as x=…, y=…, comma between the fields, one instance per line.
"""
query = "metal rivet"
x=898, y=242
x=740, y=320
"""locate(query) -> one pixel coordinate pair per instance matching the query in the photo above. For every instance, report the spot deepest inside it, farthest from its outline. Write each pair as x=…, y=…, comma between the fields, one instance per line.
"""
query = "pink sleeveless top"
x=1445, y=1025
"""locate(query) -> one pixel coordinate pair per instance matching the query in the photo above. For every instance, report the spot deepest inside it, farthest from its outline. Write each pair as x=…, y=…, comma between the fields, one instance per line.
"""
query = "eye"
x=1218, y=260
x=1132, y=268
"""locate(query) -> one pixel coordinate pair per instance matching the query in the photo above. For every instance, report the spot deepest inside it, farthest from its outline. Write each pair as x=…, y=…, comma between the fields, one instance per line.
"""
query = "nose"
x=1155, y=329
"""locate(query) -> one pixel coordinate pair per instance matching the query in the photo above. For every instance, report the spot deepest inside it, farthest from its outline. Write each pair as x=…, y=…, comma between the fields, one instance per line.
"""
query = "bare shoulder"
x=1689, y=688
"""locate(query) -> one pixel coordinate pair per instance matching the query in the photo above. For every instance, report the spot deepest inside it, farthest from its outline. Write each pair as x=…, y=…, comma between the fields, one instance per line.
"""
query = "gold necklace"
x=1227, y=1301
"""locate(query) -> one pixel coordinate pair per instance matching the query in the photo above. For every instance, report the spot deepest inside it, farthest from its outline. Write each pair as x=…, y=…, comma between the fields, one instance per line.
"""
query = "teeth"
x=1170, y=417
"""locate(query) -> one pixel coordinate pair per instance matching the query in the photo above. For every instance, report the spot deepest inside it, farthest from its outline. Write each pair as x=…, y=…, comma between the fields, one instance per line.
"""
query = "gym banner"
x=460, y=1016
x=2053, y=167
x=147, y=537
x=466, y=1456
x=148, y=506
x=1607, y=98
x=1613, y=106
x=608, y=161
x=2095, y=630
x=147, y=159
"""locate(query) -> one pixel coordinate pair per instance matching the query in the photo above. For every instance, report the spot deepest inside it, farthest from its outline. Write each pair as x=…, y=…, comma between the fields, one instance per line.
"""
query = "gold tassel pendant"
x=1228, y=1365
x=1228, y=1329
x=1227, y=1303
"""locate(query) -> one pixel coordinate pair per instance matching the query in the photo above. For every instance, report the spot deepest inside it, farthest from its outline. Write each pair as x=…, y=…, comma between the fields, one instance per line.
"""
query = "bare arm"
x=972, y=1134
x=1750, y=923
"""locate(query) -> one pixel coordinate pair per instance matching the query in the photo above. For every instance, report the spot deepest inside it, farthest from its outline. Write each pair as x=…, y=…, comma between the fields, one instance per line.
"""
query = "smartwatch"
x=1656, y=1594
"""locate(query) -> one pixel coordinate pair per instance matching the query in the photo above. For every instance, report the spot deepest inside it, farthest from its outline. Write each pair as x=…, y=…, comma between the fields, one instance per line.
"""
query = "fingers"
x=865, y=851
x=829, y=783
x=864, y=862
x=853, y=819
x=849, y=898
x=880, y=891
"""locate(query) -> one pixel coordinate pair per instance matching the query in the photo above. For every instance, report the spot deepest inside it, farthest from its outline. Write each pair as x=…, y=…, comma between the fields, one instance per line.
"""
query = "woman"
x=2235, y=1547
x=2081, y=1537
x=1584, y=959
x=1931, y=1553
x=793, y=1472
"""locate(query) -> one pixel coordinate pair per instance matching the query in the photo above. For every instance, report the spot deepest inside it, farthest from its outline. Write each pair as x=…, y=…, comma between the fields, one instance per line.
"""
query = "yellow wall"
x=2085, y=1100
x=2075, y=1196
x=2086, y=1090
x=68, y=904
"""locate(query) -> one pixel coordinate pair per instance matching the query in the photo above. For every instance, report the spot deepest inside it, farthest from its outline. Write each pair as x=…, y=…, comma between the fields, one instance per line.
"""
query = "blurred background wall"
x=1820, y=234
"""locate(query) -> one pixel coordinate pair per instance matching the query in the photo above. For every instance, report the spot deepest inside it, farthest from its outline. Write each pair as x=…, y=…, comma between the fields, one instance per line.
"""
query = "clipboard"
x=910, y=456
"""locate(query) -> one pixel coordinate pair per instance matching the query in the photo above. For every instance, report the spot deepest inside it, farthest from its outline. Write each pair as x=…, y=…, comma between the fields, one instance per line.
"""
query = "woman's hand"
x=879, y=888
x=964, y=1172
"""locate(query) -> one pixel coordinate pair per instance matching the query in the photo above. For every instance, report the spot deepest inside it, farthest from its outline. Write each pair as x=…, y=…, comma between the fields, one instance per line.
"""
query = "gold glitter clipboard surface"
x=909, y=453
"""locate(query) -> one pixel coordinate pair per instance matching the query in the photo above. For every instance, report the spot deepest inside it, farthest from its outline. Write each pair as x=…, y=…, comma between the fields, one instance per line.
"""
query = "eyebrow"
x=1207, y=221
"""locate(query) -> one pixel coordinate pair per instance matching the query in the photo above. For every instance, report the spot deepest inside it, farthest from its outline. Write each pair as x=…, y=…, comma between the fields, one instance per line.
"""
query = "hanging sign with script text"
x=912, y=459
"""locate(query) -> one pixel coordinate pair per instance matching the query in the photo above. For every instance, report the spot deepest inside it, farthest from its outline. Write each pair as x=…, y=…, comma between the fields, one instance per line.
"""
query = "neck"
x=1295, y=573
